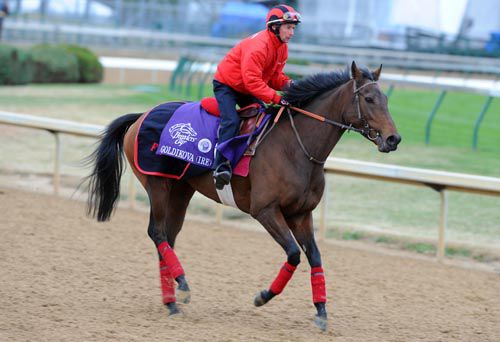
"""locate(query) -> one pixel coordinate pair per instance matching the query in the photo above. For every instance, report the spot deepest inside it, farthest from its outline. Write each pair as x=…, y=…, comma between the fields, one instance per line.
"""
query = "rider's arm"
x=252, y=66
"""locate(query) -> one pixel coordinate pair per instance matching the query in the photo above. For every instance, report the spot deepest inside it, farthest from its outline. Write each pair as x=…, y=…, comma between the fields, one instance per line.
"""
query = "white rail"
x=438, y=180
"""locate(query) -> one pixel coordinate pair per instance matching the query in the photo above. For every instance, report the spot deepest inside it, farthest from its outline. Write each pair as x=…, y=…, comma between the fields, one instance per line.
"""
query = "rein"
x=365, y=131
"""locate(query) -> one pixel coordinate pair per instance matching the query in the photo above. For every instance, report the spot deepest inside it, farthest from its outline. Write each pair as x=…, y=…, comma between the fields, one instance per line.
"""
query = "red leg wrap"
x=167, y=284
x=318, y=285
x=171, y=260
x=282, y=279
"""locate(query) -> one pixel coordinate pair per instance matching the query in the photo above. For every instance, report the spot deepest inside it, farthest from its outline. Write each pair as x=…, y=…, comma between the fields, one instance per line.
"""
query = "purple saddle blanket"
x=177, y=140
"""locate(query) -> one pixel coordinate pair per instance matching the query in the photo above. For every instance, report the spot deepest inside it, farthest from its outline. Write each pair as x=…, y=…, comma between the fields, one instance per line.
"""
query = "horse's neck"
x=320, y=138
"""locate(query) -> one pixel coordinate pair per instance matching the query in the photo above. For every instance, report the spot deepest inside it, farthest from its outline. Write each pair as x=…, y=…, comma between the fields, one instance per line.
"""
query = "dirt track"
x=64, y=277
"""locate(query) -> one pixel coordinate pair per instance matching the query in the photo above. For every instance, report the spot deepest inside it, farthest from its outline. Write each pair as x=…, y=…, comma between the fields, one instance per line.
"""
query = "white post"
x=442, y=224
x=122, y=76
x=322, y=213
x=57, y=164
x=350, y=21
x=218, y=213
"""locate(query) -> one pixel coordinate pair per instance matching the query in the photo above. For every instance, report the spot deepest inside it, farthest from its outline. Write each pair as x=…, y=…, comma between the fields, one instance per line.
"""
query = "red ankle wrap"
x=171, y=260
x=167, y=284
x=282, y=279
x=318, y=285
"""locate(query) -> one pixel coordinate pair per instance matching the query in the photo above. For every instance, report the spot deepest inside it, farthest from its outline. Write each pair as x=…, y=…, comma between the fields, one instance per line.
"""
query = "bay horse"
x=285, y=183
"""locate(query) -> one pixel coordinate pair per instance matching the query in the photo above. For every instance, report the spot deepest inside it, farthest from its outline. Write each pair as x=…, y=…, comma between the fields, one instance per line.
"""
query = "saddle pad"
x=148, y=161
x=146, y=143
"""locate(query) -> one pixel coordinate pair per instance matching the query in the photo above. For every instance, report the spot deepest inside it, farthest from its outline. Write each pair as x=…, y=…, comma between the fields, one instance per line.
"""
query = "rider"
x=252, y=71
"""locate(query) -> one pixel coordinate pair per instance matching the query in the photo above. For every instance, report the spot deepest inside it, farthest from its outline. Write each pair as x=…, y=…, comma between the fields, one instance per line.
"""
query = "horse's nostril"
x=393, y=140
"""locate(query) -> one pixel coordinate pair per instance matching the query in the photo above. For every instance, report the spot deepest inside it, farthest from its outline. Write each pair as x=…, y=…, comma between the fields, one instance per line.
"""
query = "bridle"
x=366, y=131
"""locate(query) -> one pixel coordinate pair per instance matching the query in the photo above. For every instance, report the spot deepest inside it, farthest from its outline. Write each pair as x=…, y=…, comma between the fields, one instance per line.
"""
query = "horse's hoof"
x=183, y=296
x=259, y=299
x=321, y=322
x=172, y=308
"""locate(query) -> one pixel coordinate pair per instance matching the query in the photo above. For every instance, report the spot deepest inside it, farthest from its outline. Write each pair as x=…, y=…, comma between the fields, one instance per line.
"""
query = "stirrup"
x=222, y=177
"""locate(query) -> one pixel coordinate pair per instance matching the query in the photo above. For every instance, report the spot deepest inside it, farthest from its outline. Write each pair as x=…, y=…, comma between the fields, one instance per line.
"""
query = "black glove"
x=284, y=103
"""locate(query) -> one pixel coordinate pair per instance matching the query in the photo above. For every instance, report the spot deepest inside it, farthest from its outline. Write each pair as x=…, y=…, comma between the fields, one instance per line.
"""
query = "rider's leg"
x=228, y=128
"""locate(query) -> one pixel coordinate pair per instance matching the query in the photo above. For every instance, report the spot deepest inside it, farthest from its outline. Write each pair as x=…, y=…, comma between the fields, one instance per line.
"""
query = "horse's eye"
x=369, y=99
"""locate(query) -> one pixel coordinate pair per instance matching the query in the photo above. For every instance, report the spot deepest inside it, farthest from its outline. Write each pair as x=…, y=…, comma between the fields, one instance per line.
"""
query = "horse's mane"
x=307, y=89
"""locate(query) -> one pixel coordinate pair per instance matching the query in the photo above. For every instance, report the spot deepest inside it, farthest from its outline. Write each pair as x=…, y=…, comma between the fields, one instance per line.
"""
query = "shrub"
x=15, y=65
x=89, y=67
x=54, y=64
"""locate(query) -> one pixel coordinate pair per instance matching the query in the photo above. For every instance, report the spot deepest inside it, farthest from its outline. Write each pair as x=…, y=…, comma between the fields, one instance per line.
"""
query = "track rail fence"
x=440, y=181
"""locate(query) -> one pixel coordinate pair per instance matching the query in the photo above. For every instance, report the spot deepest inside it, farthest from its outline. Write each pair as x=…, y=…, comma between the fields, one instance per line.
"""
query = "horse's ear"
x=376, y=73
x=356, y=74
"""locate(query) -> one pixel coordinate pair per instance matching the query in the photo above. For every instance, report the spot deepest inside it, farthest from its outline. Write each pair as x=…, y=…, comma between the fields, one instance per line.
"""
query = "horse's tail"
x=108, y=166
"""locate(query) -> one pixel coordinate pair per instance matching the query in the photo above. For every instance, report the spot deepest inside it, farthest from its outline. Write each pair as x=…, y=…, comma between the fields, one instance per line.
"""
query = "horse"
x=285, y=183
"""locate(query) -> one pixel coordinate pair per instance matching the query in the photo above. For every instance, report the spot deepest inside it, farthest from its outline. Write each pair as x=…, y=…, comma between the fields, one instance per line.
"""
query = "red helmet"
x=282, y=14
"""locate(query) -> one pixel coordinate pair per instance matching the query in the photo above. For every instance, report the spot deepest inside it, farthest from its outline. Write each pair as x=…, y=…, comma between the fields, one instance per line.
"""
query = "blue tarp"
x=493, y=45
x=238, y=20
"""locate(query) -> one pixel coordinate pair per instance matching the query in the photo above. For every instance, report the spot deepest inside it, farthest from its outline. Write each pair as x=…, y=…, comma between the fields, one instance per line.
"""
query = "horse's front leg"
x=302, y=228
x=272, y=219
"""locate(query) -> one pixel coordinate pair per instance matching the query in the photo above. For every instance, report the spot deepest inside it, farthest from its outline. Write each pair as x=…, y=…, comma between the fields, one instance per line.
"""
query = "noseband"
x=366, y=131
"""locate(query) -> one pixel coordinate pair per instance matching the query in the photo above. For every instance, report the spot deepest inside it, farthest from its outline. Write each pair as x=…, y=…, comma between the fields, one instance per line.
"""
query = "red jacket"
x=255, y=66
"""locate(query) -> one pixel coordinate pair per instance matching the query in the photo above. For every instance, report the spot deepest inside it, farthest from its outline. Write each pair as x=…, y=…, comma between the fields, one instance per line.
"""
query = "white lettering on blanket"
x=175, y=152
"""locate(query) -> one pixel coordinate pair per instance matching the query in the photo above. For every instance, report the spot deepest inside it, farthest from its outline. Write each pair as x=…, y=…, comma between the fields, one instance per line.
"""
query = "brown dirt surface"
x=64, y=277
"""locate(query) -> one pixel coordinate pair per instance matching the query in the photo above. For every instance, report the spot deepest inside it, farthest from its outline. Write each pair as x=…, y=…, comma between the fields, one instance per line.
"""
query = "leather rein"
x=366, y=131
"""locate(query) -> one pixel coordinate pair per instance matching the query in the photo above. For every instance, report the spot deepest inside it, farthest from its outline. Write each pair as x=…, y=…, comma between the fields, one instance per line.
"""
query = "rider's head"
x=281, y=20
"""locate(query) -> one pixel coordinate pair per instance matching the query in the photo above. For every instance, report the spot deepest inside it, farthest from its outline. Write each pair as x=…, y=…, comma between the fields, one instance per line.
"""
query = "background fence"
x=436, y=180
x=192, y=76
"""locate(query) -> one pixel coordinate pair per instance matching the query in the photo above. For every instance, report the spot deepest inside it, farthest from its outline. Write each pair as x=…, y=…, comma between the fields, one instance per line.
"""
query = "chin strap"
x=276, y=31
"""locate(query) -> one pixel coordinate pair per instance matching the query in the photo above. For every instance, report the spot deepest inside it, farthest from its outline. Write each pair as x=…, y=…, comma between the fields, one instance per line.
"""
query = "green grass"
x=352, y=235
x=420, y=247
x=453, y=123
x=353, y=203
x=383, y=239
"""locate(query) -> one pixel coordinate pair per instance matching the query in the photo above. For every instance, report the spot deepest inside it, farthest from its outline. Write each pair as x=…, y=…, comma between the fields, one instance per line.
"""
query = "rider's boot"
x=222, y=172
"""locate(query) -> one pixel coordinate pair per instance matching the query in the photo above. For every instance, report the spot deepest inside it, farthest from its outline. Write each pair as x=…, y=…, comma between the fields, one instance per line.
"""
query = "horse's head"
x=369, y=111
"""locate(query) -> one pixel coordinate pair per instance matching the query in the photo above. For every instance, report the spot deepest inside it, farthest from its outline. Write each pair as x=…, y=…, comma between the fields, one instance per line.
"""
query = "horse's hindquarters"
x=129, y=149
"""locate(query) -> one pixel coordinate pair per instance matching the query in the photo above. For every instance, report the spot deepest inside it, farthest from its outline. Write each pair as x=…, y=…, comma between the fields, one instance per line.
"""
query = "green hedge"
x=89, y=67
x=15, y=65
x=54, y=64
x=49, y=64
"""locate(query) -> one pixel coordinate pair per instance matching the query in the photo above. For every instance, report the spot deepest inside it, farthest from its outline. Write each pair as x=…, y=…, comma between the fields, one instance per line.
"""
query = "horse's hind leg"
x=272, y=219
x=167, y=282
x=169, y=200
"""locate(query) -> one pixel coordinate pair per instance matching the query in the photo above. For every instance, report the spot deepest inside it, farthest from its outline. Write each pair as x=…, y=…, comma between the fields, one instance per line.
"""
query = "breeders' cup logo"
x=181, y=133
x=204, y=145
